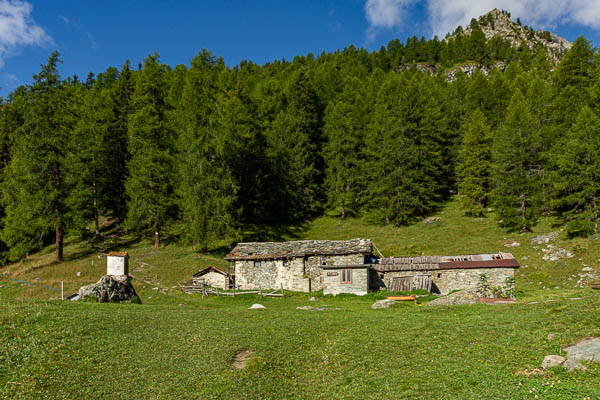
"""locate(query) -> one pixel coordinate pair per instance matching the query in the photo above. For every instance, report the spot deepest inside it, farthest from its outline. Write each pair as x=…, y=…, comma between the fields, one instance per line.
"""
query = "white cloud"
x=385, y=14
x=17, y=28
x=446, y=15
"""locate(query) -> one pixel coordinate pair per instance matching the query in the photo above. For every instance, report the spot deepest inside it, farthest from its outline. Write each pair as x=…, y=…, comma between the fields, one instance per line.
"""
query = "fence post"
x=62, y=290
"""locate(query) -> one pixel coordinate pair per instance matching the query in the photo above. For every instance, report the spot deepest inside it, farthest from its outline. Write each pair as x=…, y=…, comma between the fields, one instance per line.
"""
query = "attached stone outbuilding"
x=296, y=265
x=214, y=277
x=493, y=273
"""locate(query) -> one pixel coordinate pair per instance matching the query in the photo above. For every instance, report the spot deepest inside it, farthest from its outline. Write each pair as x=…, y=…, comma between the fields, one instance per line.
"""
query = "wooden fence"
x=207, y=291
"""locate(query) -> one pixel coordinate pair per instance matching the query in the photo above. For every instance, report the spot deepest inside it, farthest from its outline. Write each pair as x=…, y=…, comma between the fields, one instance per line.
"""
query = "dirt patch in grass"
x=241, y=358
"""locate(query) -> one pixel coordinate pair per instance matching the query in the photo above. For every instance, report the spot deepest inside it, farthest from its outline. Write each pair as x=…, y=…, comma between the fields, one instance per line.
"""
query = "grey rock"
x=431, y=220
x=586, y=350
x=383, y=304
x=309, y=308
x=513, y=244
x=462, y=297
x=572, y=365
x=312, y=299
x=551, y=336
x=552, y=361
x=108, y=288
x=78, y=274
x=587, y=269
x=542, y=239
x=256, y=307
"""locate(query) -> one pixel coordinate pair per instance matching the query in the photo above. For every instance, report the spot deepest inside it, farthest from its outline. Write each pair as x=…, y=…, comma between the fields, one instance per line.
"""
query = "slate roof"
x=498, y=260
x=299, y=248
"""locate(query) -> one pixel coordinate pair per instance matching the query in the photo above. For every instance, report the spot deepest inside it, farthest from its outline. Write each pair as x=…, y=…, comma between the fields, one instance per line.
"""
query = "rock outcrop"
x=110, y=288
x=497, y=23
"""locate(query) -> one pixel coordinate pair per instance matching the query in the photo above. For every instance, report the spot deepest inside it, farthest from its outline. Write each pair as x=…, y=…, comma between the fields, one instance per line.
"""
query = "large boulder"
x=461, y=297
x=552, y=361
x=110, y=288
x=585, y=350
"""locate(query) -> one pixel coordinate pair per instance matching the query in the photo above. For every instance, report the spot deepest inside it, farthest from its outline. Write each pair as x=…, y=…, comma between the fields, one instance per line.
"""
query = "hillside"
x=549, y=260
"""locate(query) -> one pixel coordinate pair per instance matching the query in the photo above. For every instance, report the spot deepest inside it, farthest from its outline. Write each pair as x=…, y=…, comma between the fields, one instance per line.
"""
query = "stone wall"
x=448, y=280
x=458, y=279
x=302, y=274
x=332, y=281
x=213, y=279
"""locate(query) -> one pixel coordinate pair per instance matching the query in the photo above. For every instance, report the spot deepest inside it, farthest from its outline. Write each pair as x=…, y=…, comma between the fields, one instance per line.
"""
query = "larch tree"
x=150, y=185
x=121, y=99
x=576, y=175
x=345, y=130
x=474, y=164
x=516, y=166
x=91, y=157
x=35, y=187
x=206, y=188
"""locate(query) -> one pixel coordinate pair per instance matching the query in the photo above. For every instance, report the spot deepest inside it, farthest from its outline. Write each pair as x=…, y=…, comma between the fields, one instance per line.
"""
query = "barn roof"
x=210, y=269
x=497, y=260
x=299, y=248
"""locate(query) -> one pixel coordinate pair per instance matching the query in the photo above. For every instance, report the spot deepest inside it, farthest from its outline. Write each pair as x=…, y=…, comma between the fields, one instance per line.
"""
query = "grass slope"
x=181, y=346
x=87, y=350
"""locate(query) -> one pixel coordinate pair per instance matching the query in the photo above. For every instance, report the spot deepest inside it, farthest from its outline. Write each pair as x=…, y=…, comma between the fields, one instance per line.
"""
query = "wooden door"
x=401, y=284
x=423, y=282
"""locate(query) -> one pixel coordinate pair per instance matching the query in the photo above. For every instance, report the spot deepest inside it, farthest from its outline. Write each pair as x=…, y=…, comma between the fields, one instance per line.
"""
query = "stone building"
x=493, y=273
x=214, y=277
x=348, y=266
x=301, y=265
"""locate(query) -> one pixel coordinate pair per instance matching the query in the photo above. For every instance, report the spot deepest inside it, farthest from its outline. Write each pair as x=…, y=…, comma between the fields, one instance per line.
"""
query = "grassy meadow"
x=176, y=345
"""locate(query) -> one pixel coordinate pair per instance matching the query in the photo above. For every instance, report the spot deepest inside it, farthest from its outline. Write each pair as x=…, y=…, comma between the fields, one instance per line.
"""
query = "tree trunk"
x=156, y=235
x=96, y=213
x=59, y=239
x=343, y=209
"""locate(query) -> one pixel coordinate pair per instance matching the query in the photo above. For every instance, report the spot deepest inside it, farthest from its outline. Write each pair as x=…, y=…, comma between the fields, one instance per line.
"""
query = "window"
x=256, y=264
x=286, y=263
x=439, y=275
x=323, y=260
x=346, y=276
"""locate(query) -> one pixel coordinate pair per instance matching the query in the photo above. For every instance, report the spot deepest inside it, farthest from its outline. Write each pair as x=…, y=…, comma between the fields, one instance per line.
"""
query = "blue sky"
x=93, y=35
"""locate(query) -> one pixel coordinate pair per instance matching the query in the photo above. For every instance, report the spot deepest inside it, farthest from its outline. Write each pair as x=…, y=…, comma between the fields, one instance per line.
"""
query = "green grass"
x=84, y=350
x=175, y=345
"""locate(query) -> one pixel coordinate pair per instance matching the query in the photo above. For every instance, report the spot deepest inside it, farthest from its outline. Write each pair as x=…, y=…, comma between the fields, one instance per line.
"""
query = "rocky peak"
x=498, y=23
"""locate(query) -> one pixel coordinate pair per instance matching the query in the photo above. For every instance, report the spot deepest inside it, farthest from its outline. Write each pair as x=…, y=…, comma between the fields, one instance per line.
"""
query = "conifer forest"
x=205, y=148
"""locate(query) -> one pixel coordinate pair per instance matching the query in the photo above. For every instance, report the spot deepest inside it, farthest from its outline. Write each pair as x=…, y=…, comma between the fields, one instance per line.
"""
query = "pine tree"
x=35, y=186
x=474, y=165
x=576, y=175
x=516, y=167
x=150, y=185
x=206, y=188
